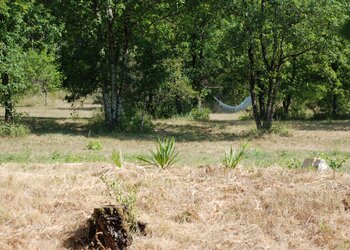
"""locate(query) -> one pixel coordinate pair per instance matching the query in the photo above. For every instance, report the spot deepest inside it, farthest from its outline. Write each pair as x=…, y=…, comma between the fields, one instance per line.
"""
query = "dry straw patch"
x=185, y=208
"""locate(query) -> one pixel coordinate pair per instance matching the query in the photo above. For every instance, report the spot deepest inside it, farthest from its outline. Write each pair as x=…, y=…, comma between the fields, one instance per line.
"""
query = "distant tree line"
x=166, y=57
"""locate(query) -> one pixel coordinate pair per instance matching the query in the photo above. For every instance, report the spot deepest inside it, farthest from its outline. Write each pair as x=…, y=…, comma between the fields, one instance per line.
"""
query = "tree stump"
x=109, y=228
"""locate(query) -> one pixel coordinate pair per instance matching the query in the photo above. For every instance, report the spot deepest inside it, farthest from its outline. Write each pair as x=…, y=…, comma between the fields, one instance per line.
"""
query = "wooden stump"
x=109, y=228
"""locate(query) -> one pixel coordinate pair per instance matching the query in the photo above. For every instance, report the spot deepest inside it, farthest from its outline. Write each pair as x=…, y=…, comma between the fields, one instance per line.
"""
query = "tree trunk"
x=335, y=106
x=45, y=96
x=8, y=100
x=109, y=228
x=252, y=85
x=286, y=104
x=110, y=96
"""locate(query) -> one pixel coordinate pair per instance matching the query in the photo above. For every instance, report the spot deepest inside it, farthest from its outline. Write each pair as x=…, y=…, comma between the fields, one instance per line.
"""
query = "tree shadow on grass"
x=48, y=125
x=323, y=125
x=185, y=131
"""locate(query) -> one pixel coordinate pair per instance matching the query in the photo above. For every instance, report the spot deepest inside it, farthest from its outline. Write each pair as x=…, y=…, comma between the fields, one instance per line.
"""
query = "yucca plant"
x=232, y=158
x=164, y=156
x=117, y=158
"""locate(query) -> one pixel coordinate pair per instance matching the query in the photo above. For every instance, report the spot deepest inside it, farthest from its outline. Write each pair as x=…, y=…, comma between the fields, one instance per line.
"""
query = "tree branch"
x=288, y=57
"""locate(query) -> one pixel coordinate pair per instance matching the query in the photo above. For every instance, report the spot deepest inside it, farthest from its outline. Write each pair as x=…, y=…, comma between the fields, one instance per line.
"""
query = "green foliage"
x=294, y=163
x=345, y=31
x=70, y=157
x=246, y=116
x=94, y=145
x=136, y=121
x=126, y=197
x=26, y=36
x=13, y=130
x=175, y=95
x=199, y=114
x=232, y=158
x=42, y=71
x=117, y=158
x=280, y=129
x=336, y=163
x=165, y=155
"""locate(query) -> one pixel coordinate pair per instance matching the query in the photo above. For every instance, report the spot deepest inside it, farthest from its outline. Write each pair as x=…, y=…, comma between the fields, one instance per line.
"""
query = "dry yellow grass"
x=43, y=206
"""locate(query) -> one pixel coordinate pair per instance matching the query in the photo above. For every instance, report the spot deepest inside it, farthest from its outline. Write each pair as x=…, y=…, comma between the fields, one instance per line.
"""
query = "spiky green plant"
x=165, y=155
x=232, y=158
x=117, y=158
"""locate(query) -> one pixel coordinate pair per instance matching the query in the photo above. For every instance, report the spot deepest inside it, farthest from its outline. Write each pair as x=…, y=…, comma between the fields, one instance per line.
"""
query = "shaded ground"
x=186, y=208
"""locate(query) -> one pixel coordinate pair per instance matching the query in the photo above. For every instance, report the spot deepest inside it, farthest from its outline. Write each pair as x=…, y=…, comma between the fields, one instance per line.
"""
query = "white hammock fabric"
x=233, y=109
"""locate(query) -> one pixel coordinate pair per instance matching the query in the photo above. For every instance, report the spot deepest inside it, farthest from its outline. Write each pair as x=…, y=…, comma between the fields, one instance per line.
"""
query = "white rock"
x=318, y=163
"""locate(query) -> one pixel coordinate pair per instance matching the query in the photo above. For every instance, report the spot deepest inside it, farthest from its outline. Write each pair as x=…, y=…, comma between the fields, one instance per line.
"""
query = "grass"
x=233, y=158
x=211, y=209
x=50, y=182
x=13, y=130
x=117, y=158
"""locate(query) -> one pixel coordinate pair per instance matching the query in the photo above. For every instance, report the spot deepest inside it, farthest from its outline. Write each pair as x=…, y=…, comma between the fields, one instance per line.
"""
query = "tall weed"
x=233, y=158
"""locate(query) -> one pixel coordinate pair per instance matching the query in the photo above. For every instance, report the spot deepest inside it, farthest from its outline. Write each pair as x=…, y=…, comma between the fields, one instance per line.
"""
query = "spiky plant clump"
x=165, y=155
x=117, y=158
x=232, y=158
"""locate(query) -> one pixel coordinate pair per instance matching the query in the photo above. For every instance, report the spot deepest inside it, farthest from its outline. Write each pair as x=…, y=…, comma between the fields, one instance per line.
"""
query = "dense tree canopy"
x=166, y=57
x=27, y=51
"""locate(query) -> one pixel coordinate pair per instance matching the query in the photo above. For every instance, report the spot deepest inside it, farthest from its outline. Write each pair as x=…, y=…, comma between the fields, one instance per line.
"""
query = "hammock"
x=227, y=108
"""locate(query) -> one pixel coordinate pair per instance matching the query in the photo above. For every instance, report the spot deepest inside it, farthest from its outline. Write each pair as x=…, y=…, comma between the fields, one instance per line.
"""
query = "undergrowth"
x=13, y=130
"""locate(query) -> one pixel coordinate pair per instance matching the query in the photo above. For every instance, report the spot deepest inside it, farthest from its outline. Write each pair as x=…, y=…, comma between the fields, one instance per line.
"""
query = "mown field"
x=50, y=182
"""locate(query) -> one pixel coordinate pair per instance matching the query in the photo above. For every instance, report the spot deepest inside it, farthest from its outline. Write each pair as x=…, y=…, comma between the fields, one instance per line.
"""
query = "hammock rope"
x=233, y=109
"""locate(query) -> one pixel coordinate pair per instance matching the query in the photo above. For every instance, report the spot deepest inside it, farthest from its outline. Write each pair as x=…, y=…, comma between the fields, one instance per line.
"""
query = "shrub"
x=13, y=130
x=136, y=121
x=117, y=158
x=94, y=145
x=130, y=121
x=280, y=129
x=336, y=163
x=246, y=116
x=165, y=155
x=232, y=158
x=200, y=114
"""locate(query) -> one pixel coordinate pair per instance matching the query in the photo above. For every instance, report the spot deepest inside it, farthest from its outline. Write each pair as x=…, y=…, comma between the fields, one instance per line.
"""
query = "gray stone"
x=318, y=163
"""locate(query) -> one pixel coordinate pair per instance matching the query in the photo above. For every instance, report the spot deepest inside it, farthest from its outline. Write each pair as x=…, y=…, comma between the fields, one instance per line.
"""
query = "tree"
x=269, y=34
x=24, y=45
x=99, y=48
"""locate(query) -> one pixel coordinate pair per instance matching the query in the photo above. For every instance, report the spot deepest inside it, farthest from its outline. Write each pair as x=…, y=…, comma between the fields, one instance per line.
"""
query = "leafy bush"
x=136, y=121
x=232, y=158
x=200, y=114
x=336, y=162
x=13, y=130
x=117, y=158
x=130, y=121
x=165, y=155
x=246, y=116
x=94, y=145
x=280, y=129
x=294, y=163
